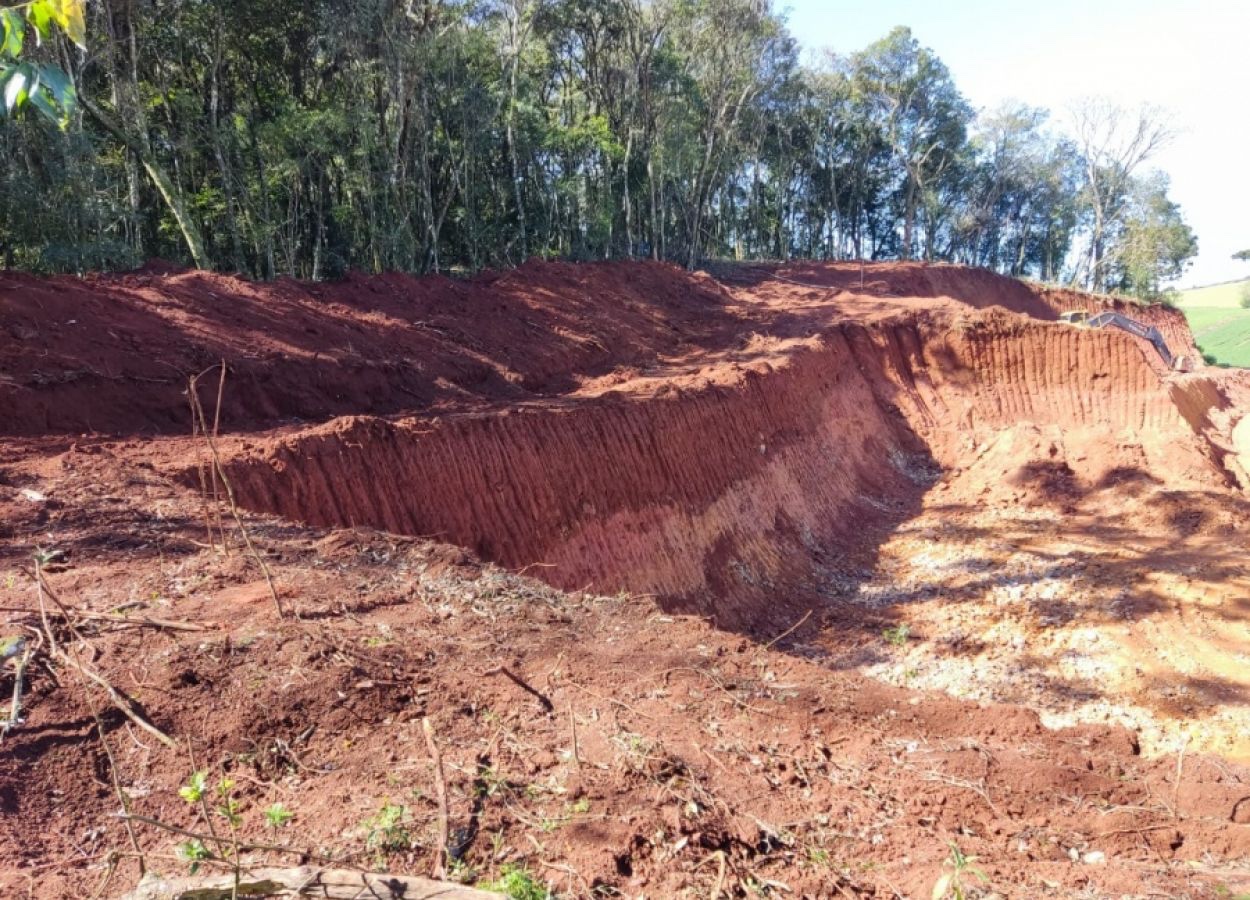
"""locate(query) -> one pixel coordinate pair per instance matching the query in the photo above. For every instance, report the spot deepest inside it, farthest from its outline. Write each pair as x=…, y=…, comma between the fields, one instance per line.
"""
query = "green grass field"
x=1220, y=326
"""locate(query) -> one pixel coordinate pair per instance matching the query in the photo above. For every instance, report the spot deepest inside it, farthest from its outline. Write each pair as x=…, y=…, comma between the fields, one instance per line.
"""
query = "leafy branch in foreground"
x=43, y=85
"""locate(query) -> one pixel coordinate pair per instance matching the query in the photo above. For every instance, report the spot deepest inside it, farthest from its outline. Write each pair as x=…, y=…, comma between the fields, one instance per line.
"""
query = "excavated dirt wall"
x=726, y=498
x=724, y=493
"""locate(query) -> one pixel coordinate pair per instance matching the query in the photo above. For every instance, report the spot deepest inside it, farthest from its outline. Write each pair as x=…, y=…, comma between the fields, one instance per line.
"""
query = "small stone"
x=1094, y=858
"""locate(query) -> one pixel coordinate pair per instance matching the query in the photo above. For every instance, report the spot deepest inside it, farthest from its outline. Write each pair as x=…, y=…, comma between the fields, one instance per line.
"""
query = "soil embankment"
x=720, y=497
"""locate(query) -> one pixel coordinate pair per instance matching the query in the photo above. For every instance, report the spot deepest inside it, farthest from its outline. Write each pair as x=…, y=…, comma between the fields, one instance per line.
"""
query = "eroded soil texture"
x=798, y=580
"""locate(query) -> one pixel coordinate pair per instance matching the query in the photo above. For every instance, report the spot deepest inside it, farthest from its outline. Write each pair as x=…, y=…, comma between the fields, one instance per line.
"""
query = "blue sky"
x=1193, y=59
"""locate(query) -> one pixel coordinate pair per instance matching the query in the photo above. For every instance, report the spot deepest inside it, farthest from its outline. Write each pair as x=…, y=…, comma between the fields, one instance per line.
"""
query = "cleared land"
x=762, y=584
x=1221, y=327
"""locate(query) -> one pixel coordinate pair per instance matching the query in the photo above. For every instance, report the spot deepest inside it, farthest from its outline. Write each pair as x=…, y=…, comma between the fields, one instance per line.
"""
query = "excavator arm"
x=1135, y=328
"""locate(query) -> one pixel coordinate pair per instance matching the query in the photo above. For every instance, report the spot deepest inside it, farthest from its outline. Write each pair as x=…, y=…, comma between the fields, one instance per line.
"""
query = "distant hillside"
x=1221, y=327
x=1221, y=295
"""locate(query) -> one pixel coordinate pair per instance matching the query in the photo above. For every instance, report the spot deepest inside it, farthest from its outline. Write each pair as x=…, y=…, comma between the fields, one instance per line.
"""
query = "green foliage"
x=1244, y=300
x=953, y=884
x=278, y=816
x=897, y=635
x=43, y=85
x=516, y=883
x=386, y=830
x=194, y=852
x=195, y=788
x=308, y=137
x=228, y=807
x=1154, y=244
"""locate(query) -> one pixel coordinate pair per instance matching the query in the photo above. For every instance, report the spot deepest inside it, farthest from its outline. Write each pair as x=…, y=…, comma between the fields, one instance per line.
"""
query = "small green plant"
x=228, y=808
x=898, y=635
x=459, y=871
x=195, y=792
x=516, y=883
x=278, y=816
x=490, y=782
x=1224, y=892
x=551, y=823
x=195, y=788
x=194, y=852
x=952, y=883
x=386, y=828
x=818, y=856
x=47, y=557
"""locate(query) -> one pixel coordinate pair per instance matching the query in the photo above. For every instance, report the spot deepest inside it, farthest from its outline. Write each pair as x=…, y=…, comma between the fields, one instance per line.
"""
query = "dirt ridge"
x=718, y=498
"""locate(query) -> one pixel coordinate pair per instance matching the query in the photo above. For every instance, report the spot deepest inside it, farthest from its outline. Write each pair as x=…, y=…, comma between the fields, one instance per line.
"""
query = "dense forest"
x=309, y=137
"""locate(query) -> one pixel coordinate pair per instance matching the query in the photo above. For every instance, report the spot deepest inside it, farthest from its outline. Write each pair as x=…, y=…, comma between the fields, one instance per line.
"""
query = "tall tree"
x=921, y=114
x=1114, y=143
x=308, y=137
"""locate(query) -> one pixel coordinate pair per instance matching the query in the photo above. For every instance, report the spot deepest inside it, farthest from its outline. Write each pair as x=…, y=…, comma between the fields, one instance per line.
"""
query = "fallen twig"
x=789, y=631
x=720, y=875
x=577, y=756
x=440, y=785
x=243, y=845
x=1176, y=786
x=548, y=706
x=148, y=621
x=119, y=698
x=21, y=658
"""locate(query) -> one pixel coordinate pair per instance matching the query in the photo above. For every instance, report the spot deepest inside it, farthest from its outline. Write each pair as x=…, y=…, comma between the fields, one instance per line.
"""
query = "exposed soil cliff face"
x=632, y=427
x=725, y=498
x=715, y=498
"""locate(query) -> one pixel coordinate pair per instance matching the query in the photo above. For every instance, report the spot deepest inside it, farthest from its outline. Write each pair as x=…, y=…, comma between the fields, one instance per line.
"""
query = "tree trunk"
x=169, y=193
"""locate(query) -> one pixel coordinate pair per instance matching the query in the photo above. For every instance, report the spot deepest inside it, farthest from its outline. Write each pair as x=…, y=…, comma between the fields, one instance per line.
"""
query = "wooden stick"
x=1176, y=787
x=15, y=710
x=440, y=785
x=149, y=621
x=305, y=881
x=115, y=777
x=199, y=471
x=720, y=875
x=234, y=509
x=119, y=698
x=577, y=756
x=243, y=845
x=789, y=631
x=548, y=706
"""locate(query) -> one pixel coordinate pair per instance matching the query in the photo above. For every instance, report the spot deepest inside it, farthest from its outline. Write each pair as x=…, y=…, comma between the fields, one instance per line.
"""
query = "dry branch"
x=305, y=881
x=119, y=698
x=148, y=621
x=440, y=785
x=520, y=682
x=219, y=470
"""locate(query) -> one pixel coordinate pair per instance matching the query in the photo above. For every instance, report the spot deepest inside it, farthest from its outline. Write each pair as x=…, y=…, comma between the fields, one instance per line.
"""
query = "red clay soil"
x=697, y=484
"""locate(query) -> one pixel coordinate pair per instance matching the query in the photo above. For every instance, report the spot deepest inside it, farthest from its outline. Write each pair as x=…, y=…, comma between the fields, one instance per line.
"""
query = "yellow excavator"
x=1081, y=318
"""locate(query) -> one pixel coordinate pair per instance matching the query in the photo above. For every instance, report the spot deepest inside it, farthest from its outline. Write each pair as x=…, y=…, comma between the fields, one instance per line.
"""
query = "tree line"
x=309, y=137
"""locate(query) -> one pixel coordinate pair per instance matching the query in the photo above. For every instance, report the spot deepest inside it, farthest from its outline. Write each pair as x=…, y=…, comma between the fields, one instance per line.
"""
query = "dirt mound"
x=901, y=471
x=112, y=354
